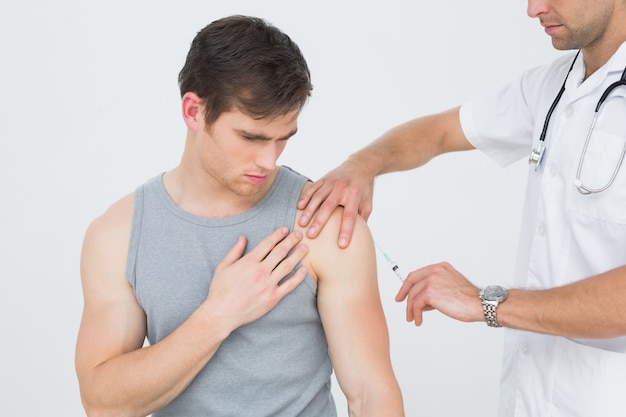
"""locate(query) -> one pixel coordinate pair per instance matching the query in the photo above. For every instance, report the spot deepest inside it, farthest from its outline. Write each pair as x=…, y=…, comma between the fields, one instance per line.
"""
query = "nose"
x=536, y=8
x=269, y=154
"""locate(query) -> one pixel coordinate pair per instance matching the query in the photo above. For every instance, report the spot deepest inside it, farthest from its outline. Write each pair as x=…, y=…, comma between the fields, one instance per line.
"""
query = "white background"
x=89, y=109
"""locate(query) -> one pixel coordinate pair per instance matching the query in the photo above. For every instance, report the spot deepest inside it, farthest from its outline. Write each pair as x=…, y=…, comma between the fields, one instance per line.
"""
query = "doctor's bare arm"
x=120, y=377
x=351, y=184
x=353, y=319
x=593, y=308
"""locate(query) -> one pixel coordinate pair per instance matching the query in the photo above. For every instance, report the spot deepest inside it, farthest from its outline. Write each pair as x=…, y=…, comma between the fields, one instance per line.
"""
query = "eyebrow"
x=258, y=136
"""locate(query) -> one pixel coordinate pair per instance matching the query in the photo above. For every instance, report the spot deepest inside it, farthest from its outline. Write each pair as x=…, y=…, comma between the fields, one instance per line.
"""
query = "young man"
x=569, y=359
x=230, y=334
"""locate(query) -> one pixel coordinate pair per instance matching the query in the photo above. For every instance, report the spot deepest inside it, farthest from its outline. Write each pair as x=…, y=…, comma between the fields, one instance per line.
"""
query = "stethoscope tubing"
x=536, y=155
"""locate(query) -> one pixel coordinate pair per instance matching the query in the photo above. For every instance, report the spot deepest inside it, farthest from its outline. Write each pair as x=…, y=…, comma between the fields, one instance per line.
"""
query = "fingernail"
x=304, y=219
x=298, y=234
x=343, y=242
x=311, y=231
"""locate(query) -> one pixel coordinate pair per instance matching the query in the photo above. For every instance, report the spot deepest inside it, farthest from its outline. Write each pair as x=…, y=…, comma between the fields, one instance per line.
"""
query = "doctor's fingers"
x=310, y=200
x=414, y=278
x=330, y=195
x=322, y=202
x=417, y=302
x=441, y=274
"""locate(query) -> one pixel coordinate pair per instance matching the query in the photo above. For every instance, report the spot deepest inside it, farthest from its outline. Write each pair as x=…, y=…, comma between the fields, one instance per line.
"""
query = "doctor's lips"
x=550, y=27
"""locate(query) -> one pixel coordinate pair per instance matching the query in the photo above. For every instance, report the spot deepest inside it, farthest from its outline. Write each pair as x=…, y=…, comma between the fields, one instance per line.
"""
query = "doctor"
x=565, y=343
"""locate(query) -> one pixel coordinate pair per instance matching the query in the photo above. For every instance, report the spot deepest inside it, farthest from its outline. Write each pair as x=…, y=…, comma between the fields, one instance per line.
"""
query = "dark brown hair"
x=246, y=63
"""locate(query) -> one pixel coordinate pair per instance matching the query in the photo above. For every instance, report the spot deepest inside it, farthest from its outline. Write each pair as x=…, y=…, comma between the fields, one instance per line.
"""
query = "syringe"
x=393, y=265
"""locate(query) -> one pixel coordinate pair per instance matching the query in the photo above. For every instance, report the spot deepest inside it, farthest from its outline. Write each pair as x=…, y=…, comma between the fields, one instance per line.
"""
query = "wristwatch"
x=491, y=296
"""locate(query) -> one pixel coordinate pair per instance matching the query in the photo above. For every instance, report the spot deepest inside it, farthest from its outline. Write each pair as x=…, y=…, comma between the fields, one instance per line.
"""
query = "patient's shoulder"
x=324, y=252
x=119, y=214
x=112, y=228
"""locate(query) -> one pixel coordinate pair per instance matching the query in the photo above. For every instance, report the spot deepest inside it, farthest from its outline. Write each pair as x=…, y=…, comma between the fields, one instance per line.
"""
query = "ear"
x=193, y=113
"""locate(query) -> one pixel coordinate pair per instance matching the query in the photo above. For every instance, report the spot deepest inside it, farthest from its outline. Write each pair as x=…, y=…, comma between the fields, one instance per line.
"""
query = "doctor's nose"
x=537, y=7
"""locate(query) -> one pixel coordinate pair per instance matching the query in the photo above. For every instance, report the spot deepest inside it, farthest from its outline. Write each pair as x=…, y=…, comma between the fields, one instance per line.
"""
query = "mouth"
x=550, y=28
x=256, y=179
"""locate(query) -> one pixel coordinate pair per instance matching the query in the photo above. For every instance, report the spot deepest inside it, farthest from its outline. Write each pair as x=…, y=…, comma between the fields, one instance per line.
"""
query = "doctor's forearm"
x=593, y=308
x=414, y=143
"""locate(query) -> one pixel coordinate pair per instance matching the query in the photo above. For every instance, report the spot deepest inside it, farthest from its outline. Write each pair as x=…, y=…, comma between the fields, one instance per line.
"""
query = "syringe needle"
x=394, y=266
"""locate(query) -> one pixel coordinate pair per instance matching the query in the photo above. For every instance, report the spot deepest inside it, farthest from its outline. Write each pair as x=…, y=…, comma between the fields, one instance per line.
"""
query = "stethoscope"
x=536, y=155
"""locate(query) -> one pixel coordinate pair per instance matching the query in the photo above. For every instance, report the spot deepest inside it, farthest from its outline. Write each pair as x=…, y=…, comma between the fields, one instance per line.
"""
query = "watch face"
x=494, y=293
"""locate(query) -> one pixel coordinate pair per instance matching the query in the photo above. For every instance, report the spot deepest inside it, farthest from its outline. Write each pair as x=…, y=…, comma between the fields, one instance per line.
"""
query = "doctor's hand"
x=440, y=287
x=244, y=288
x=348, y=185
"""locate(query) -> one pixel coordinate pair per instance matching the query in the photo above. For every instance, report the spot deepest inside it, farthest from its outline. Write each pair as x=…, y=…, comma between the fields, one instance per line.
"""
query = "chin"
x=565, y=44
x=246, y=190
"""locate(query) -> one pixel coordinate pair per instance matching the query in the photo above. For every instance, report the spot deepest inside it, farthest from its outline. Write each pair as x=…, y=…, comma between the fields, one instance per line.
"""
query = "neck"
x=196, y=192
x=599, y=52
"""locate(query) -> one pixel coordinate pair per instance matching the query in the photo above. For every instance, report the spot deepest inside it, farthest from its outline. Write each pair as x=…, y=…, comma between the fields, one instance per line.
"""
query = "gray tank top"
x=275, y=366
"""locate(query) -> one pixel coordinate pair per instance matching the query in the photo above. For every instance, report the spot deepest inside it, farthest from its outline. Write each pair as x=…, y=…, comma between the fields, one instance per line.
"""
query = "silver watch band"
x=489, y=309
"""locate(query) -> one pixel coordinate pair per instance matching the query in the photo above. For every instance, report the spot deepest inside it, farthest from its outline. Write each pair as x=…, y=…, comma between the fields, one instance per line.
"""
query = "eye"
x=250, y=138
